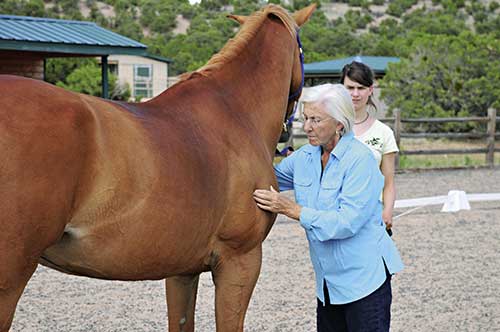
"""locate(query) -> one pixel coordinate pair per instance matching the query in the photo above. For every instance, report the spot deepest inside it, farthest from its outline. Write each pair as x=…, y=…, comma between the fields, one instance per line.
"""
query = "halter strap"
x=301, y=57
x=297, y=92
x=289, y=122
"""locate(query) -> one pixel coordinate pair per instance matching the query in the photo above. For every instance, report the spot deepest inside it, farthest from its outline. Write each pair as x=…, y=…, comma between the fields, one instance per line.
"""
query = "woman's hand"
x=273, y=201
x=387, y=218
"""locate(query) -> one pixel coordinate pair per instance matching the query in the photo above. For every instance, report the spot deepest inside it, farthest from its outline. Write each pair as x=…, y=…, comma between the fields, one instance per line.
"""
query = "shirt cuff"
x=306, y=217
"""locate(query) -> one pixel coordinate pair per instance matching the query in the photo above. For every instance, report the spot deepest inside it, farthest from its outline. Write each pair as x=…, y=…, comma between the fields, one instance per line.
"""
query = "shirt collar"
x=339, y=150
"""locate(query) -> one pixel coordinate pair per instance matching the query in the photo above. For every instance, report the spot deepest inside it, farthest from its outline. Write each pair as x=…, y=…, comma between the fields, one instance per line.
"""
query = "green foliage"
x=69, y=9
x=435, y=23
x=299, y=4
x=245, y=7
x=206, y=36
x=24, y=8
x=57, y=69
x=87, y=79
x=398, y=7
x=158, y=15
x=494, y=5
x=356, y=19
x=323, y=40
x=126, y=23
x=358, y=3
x=445, y=76
x=486, y=20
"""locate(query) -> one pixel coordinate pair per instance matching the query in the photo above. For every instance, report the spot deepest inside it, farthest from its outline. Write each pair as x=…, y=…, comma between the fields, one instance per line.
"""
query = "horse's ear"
x=301, y=16
x=238, y=18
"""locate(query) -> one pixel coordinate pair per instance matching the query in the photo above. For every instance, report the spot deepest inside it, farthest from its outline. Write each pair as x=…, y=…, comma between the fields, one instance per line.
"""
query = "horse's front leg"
x=235, y=278
x=181, y=302
x=20, y=242
x=14, y=275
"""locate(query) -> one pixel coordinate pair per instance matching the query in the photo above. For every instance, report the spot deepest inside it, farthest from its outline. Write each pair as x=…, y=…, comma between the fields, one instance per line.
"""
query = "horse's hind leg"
x=181, y=302
x=235, y=278
x=15, y=271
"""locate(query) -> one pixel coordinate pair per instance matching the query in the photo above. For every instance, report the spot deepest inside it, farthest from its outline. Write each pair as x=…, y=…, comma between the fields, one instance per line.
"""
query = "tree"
x=445, y=76
x=23, y=7
x=58, y=69
x=207, y=34
x=87, y=79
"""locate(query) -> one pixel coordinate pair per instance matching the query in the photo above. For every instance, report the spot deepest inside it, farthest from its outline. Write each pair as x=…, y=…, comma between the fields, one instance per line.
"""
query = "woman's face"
x=319, y=126
x=359, y=93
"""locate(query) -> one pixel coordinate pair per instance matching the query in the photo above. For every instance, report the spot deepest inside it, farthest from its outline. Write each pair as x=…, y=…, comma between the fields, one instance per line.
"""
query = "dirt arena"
x=451, y=281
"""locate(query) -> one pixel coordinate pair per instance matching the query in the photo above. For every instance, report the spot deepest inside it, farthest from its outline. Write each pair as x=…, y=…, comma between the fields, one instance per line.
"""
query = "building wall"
x=126, y=65
x=21, y=65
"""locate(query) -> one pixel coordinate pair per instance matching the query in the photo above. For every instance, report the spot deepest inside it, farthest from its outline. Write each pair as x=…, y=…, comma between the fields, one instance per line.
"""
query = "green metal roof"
x=23, y=33
x=159, y=58
x=334, y=67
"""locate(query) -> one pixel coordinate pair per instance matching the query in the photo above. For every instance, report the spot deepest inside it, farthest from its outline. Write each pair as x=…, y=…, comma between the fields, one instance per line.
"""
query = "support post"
x=490, y=140
x=397, y=133
x=104, y=76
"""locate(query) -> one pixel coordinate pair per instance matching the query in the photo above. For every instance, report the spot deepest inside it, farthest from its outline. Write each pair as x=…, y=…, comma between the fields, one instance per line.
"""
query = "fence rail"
x=490, y=135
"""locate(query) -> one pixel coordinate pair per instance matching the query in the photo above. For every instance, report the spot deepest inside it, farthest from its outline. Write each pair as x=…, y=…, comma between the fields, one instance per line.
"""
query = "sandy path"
x=451, y=281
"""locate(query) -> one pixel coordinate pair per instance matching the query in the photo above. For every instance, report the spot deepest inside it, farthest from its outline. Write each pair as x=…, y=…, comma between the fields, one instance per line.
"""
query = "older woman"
x=337, y=186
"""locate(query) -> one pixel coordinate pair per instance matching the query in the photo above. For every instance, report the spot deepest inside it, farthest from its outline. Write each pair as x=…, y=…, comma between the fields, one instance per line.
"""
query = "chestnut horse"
x=154, y=190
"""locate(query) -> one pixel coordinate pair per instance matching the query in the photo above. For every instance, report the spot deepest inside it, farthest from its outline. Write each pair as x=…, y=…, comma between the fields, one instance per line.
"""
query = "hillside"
x=373, y=12
x=191, y=33
x=449, y=49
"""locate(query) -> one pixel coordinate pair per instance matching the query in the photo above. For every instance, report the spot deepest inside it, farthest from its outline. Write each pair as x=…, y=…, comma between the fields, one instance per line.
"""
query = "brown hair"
x=359, y=73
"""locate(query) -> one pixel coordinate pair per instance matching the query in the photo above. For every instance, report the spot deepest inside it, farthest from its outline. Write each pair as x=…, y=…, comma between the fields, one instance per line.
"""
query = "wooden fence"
x=490, y=135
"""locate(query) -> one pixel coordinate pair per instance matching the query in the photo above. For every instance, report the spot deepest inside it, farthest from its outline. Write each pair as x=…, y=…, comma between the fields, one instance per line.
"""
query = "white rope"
x=455, y=200
x=407, y=212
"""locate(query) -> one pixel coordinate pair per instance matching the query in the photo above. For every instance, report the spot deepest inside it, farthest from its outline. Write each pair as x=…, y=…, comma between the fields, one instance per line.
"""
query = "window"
x=113, y=68
x=143, y=81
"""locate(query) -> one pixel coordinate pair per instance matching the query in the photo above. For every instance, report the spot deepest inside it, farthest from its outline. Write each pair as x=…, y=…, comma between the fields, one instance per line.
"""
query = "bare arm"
x=389, y=193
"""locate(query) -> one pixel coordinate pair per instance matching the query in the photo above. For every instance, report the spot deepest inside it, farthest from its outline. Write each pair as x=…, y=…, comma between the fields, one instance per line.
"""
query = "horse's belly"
x=125, y=254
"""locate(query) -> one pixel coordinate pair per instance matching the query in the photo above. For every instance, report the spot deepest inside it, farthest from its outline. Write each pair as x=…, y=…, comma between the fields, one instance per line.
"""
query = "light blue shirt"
x=342, y=217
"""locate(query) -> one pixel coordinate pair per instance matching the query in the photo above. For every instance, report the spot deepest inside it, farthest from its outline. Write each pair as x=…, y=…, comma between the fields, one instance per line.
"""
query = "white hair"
x=336, y=101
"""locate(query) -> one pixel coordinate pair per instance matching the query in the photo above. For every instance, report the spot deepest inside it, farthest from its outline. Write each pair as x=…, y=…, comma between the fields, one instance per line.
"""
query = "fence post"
x=397, y=132
x=490, y=140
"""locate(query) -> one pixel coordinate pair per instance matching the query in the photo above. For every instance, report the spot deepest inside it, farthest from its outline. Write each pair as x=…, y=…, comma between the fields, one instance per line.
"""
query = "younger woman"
x=358, y=78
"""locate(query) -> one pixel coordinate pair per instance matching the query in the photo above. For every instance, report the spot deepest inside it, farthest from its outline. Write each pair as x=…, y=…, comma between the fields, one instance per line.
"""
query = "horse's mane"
x=235, y=45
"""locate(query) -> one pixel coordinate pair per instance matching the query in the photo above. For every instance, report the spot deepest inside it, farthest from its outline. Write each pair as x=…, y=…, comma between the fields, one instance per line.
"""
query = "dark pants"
x=369, y=314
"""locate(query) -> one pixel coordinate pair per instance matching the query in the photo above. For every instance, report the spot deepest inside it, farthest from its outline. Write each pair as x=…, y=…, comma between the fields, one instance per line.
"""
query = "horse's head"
x=297, y=77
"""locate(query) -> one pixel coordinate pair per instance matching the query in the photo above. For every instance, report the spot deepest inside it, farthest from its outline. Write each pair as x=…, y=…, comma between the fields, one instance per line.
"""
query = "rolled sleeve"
x=284, y=172
x=307, y=215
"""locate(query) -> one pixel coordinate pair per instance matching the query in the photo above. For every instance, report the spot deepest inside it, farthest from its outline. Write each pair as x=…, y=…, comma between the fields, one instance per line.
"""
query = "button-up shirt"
x=342, y=217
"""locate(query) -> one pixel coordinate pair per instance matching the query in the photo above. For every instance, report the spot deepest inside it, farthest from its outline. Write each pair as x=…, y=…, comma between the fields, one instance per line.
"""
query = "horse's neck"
x=263, y=78
x=254, y=85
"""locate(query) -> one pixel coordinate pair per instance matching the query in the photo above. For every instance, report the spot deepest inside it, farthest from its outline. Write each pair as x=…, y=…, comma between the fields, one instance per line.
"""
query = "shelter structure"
x=147, y=76
x=331, y=70
x=26, y=43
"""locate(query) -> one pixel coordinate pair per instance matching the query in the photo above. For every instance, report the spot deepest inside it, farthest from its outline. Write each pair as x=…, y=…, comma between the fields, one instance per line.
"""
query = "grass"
x=443, y=160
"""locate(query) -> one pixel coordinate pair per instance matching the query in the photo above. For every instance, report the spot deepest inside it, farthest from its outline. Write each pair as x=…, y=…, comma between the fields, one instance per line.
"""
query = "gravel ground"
x=451, y=281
